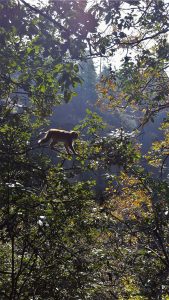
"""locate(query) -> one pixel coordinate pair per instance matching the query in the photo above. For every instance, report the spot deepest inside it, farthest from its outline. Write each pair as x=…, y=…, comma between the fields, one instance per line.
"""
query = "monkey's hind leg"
x=52, y=145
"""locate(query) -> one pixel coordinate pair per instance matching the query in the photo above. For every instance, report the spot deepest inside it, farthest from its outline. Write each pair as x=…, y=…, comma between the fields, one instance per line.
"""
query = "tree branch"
x=136, y=42
x=49, y=18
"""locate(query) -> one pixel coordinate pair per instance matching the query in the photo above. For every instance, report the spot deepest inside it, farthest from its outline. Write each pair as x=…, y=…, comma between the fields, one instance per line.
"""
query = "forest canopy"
x=92, y=225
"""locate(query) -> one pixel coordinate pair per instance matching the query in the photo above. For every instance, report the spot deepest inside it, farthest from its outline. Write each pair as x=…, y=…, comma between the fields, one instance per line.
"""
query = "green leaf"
x=42, y=88
x=76, y=68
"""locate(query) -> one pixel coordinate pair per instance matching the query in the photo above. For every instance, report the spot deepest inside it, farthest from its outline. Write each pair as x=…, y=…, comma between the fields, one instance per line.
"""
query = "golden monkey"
x=57, y=135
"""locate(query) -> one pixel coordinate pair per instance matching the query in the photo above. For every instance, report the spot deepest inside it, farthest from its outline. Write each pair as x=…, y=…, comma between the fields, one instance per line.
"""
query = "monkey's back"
x=59, y=135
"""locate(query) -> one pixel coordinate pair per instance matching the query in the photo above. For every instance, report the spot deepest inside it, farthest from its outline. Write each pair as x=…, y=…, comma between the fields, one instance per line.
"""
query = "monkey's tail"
x=46, y=138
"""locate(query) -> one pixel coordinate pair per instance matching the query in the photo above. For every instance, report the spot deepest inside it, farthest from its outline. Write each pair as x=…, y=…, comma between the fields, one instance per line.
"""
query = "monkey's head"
x=74, y=134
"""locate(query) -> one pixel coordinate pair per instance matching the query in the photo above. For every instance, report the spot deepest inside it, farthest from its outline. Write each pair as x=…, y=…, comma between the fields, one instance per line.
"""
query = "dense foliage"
x=62, y=236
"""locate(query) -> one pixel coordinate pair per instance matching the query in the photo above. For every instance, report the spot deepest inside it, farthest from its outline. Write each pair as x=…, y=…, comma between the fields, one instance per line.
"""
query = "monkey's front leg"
x=67, y=148
x=70, y=146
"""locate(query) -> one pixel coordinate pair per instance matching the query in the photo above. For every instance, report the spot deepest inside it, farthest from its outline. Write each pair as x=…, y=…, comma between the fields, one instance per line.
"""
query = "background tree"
x=56, y=242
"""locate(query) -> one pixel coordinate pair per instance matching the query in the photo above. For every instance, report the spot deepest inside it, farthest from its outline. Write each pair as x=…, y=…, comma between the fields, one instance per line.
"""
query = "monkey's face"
x=74, y=134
